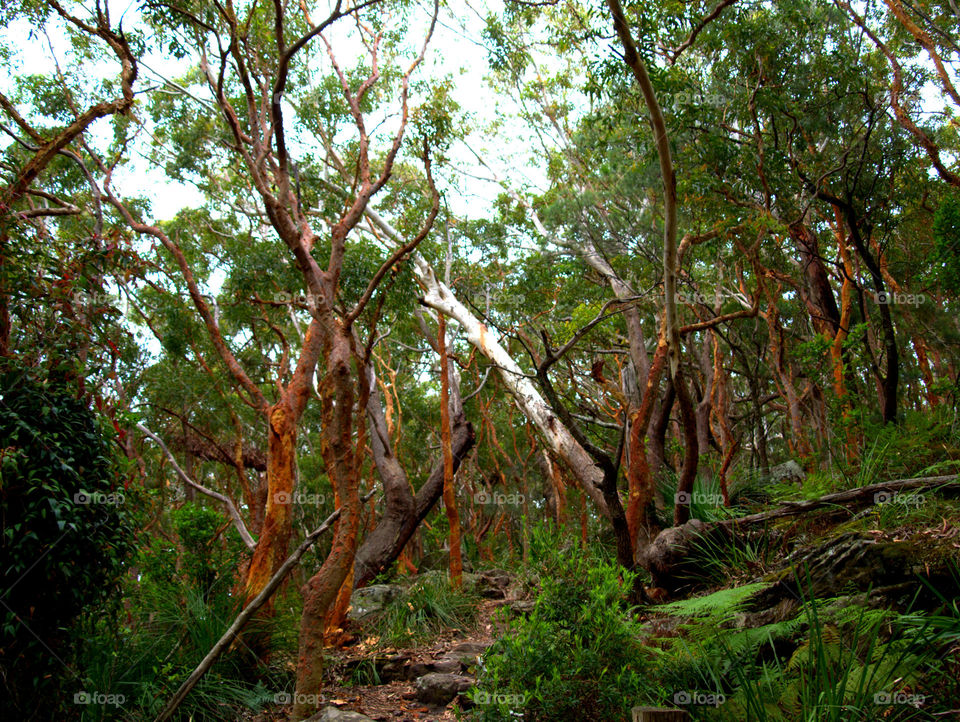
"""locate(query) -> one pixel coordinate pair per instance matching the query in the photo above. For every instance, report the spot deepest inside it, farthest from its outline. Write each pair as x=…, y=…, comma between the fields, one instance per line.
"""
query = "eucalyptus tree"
x=829, y=162
x=782, y=150
x=241, y=125
x=51, y=218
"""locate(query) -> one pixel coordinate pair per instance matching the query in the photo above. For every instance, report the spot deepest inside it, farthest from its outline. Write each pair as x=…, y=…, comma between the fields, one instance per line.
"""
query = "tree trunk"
x=890, y=380
x=641, y=520
x=449, y=494
x=403, y=511
x=824, y=314
x=671, y=326
x=337, y=401
x=528, y=398
x=275, y=531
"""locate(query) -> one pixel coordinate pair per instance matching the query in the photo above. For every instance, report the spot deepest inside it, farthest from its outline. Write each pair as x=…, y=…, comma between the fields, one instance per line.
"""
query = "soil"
x=395, y=700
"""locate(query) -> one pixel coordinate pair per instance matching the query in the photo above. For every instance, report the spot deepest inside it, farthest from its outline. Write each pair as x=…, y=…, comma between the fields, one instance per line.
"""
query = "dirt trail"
x=453, y=652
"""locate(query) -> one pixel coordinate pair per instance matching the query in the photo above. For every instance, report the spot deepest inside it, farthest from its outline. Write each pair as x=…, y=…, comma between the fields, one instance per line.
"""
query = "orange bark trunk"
x=639, y=479
x=275, y=532
x=836, y=348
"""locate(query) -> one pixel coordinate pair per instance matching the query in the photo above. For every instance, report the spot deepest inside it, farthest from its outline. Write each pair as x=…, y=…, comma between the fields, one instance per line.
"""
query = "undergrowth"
x=426, y=608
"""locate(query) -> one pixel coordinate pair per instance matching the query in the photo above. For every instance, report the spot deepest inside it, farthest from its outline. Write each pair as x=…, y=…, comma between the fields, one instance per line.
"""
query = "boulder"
x=489, y=584
x=857, y=563
x=371, y=600
x=438, y=689
x=444, y=666
x=380, y=668
x=787, y=472
x=668, y=556
x=522, y=606
x=468, y=653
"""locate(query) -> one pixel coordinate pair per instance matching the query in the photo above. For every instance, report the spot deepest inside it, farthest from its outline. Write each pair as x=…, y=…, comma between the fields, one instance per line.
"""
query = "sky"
x=456, y=49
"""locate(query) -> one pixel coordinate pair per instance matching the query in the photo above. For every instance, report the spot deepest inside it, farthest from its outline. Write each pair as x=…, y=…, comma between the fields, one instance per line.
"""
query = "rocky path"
x=420, y=683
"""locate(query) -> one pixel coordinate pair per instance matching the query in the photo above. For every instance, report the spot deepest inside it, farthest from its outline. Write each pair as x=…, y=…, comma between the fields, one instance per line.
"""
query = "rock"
x=489, y=584
x=468, y=653
x=332, y=714
x=521, y=606
x=379, y=668
x=443, y=666
x=863, y=570
x=787, y=472
x=474, y=647
x=394, y=669
x=372, y=599
x=667, y=557
x=438, y=689
x=849, y=564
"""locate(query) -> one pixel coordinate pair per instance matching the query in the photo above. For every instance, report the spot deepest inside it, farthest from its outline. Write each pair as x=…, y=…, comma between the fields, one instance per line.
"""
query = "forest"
x=480, y=360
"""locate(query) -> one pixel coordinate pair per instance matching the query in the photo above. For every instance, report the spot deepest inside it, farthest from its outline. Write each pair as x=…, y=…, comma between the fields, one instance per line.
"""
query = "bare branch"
x=228, y=504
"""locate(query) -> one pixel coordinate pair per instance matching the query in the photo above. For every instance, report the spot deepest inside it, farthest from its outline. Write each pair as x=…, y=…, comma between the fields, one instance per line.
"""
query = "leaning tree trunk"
x=403, y=510
x=528, y=398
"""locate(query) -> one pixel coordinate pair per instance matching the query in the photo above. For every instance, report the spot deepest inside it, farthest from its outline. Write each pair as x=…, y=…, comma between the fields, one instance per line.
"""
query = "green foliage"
x=946, y=235
x=202, y=558
x=844, y=668
x=430, y=605
x=715, y=608
x=147, y=660
x=926, y=442
x=179, y=605
x=577, y=655
x=705, y=499
x=834, y=660
x=67, y=528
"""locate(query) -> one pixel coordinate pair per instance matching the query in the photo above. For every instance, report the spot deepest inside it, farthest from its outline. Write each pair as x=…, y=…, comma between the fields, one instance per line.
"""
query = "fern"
x=718, y=607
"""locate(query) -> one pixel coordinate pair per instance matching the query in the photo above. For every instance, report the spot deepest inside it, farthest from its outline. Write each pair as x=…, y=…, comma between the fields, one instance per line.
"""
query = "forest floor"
x=396, y=699
x=381, y=682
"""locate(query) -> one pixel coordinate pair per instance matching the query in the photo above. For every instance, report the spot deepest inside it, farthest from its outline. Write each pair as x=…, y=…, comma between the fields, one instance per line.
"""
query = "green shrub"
x=577, y=655
x=179, y=603
x=67, y=526
x=835, y=660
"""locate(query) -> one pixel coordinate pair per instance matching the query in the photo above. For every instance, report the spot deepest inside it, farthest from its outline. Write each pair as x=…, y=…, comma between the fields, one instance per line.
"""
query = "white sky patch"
x=455, y=49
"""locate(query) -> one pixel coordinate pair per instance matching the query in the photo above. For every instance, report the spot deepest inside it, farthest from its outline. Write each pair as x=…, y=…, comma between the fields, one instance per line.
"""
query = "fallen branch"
x=247, y=613
x=669, y=553
x=860, y=494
